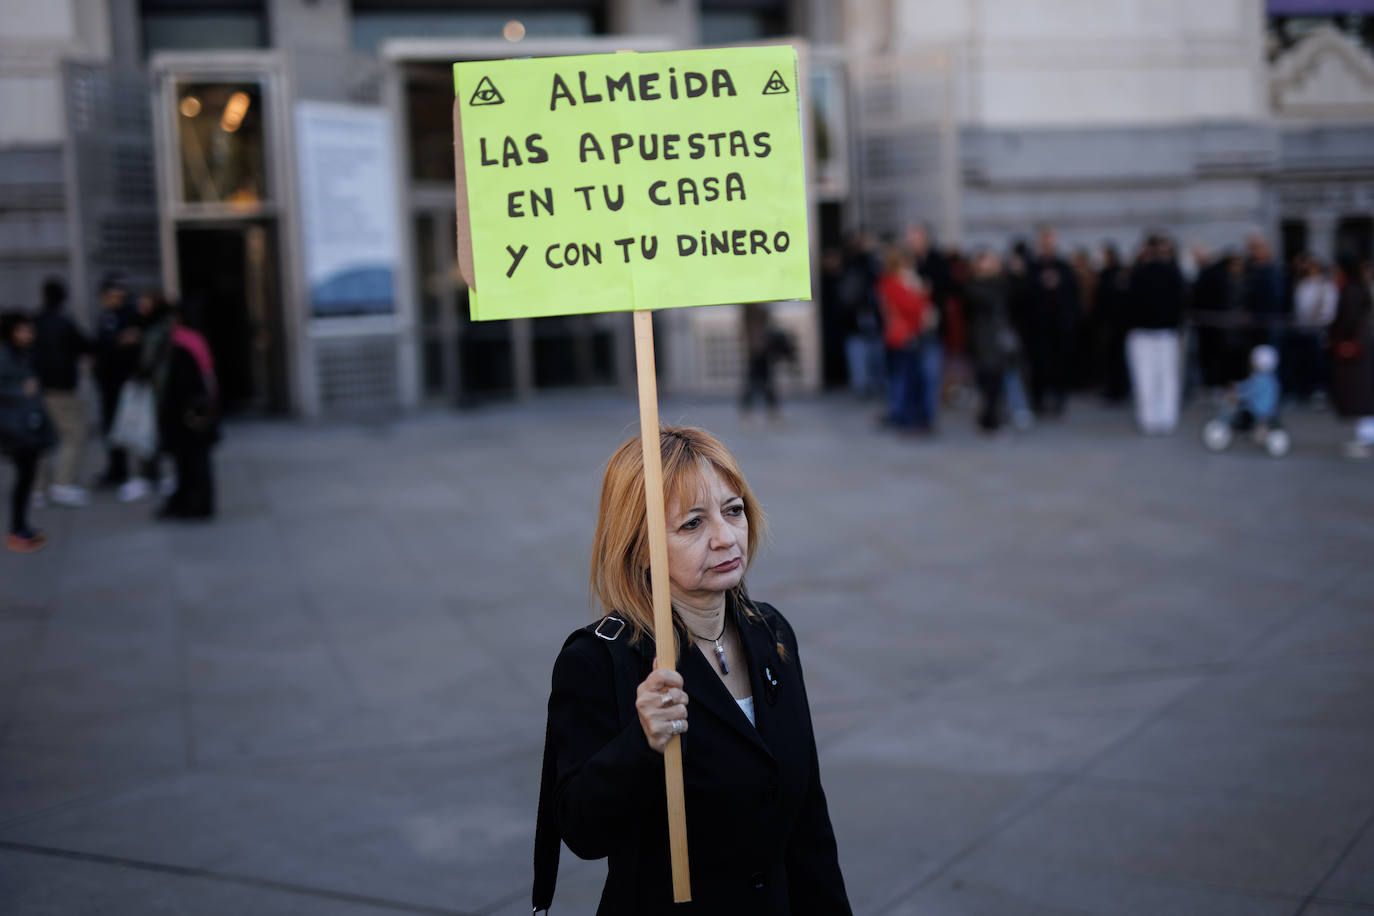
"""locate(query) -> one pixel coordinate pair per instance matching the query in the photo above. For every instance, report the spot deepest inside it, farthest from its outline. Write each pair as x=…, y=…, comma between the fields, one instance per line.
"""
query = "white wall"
x=1053, y=63
x=36, y=36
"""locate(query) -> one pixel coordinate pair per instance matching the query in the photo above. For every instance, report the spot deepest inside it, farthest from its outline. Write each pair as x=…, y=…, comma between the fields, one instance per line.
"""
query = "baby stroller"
x=1253, y=408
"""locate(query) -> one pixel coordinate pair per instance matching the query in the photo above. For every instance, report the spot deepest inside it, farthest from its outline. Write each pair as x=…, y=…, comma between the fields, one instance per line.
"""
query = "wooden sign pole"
x=665, y=640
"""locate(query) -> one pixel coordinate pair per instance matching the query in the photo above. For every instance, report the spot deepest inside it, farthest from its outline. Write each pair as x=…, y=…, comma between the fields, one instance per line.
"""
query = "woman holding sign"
x=759, y=834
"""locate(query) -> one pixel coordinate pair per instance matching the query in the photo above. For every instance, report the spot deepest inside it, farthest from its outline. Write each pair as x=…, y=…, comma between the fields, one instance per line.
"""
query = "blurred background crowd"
x=1018, y=330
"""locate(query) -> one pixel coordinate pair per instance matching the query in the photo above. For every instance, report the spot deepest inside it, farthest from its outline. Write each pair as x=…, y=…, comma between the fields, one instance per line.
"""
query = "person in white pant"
x=59, y=347
x=1152, y=344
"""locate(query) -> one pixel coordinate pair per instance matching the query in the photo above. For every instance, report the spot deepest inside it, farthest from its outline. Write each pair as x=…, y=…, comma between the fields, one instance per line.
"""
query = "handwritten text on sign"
x=612, y=182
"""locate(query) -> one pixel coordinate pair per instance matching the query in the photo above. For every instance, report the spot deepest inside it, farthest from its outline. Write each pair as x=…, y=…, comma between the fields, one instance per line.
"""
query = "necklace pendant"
x=720, y=657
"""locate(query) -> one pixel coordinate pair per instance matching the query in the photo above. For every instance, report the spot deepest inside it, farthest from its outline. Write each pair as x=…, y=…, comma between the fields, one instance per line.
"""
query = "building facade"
x=1209, y=121
x=232, y=150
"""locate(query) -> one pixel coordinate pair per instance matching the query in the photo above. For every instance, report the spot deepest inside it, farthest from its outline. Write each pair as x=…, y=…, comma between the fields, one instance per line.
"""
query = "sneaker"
x=68, y=495
x=26, y=541
x=134, y=489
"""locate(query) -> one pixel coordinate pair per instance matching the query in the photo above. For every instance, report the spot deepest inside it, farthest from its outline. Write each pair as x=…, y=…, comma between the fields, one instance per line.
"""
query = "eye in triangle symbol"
x=485, y=94
x=775, y=85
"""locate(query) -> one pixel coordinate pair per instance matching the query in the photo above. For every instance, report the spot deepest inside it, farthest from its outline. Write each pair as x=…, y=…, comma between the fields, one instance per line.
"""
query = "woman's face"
x=22, y=336
x=707, y=542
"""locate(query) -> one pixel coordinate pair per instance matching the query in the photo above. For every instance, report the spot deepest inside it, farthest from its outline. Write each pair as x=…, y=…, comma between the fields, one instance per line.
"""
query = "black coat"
x=992, y=340
x=758, y=831
x=1352, y=353
x=188, y=411
x=1157, y=294
x=115, y=361
x=58, y=346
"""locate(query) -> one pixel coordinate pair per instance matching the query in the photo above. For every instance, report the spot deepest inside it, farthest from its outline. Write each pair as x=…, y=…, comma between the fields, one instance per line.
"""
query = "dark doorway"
x=1294, y=235
x=485, y=355
x=573, y=350
x=1355, y=238
x=231, y=292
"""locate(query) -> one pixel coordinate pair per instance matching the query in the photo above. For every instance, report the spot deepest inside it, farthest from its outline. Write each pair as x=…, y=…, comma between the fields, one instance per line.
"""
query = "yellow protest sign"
x=610, y=182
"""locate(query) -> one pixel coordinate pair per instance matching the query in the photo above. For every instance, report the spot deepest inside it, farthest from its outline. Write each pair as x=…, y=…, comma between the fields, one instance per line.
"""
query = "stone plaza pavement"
x=1069, y=672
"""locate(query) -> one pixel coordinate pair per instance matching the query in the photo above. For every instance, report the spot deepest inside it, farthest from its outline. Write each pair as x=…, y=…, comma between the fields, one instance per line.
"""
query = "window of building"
x=735, y=21
x=220, y=142
x=194, y=25
x=375, y=21
x=1294, y=235
x=1355, y=238
x=429, y=122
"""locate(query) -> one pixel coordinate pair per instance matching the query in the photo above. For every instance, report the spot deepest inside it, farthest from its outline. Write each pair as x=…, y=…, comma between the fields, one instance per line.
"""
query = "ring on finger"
x=677, y=726
x=667, y=699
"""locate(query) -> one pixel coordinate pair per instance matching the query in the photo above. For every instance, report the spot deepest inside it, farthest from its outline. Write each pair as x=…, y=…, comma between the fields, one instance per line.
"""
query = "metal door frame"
x=265, y=68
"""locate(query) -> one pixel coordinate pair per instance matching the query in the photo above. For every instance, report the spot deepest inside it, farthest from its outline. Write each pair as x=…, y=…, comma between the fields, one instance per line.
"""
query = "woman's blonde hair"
x=620, y=550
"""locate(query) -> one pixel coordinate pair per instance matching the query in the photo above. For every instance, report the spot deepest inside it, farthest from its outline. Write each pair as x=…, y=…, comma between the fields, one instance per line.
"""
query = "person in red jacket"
x=906, y=309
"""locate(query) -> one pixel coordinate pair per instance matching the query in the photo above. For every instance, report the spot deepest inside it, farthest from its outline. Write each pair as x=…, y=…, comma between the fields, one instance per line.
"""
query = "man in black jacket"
x=117, y=352
x=1152, y=345
x=1054, y=309
x=58, y=348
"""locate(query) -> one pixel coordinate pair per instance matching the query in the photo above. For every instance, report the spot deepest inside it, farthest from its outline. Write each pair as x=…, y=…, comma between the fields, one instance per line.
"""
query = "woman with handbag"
x=188, y=419
x=25, y=429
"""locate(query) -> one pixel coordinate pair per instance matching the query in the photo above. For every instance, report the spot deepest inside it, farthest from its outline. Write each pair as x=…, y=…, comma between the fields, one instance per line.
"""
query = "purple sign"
x=1319, y=7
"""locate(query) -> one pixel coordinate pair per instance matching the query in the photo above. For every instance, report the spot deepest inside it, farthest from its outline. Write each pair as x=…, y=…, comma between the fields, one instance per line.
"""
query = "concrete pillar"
x=868, y=26
x=820, y=21
x=678, y=18
x=522, y=357
x=309, y=24
x=126, y=33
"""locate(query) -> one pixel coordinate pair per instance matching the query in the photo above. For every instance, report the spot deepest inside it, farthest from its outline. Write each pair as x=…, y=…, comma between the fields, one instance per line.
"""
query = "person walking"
x=934, y=270
x=154, y=315
x=761, y=841
x=1263, y=292
x=25, y=429
x=1085, y=372
x=906, y=309
x=58, y=349
x=1054, y=309
x=758, y=346
x=1016, y=272
x=1315, y=298
x=188, y=420
x=856, y=289
x=993, y=343
x=116, y=358
x=1152, y=344
x=1352, y=356
x=1111, y=319
x=1219, y=311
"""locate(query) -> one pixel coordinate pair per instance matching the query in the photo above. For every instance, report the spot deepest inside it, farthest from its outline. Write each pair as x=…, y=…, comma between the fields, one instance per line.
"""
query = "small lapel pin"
x=770, y=690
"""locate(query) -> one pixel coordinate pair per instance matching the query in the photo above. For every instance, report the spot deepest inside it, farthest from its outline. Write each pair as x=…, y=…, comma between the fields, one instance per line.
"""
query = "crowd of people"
x=154, y=372
x=921, y=326
x=1026, y=327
